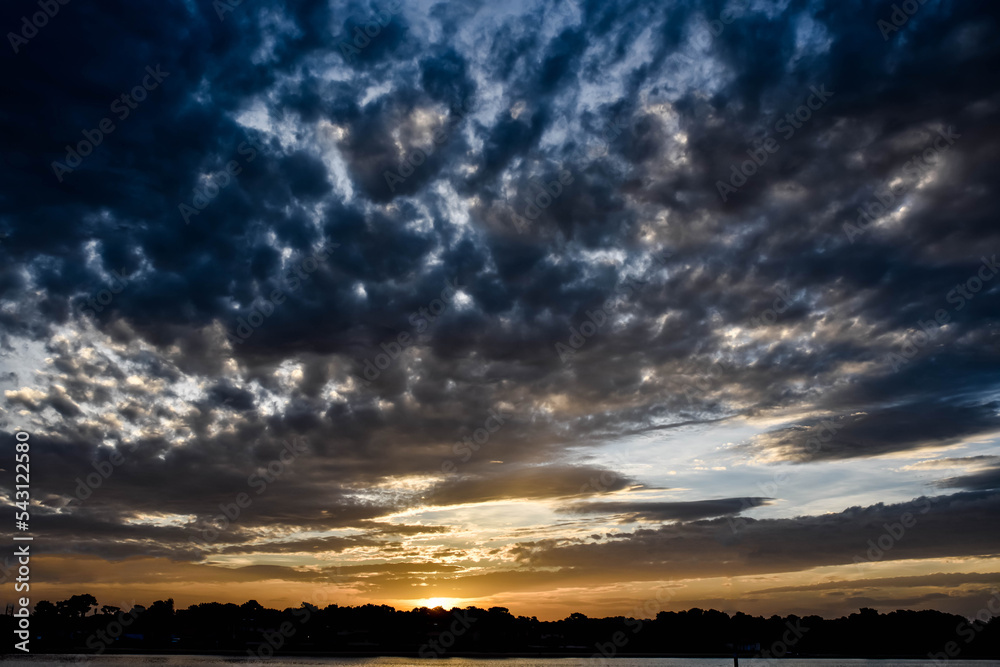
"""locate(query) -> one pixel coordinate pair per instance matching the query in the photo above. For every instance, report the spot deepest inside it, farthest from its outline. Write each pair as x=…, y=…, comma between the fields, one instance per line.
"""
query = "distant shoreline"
x=485, y=656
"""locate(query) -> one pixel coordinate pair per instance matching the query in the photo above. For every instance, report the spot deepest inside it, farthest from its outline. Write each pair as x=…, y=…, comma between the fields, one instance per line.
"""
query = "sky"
x=576, y=306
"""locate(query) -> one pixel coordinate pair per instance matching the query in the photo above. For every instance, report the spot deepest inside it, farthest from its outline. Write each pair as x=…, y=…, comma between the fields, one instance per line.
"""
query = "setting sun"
x=446, y=603
x=649, y=330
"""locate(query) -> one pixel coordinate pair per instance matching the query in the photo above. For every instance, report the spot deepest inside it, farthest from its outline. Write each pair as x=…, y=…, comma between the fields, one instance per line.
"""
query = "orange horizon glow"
x=803, y=592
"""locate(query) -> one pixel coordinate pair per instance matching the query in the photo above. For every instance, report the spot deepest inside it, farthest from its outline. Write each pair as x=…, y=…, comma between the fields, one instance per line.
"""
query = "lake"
x=212, y=661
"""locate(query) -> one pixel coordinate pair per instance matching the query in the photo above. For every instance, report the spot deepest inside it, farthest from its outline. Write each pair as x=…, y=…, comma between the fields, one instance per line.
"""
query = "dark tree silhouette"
x=77, y=606
x=380, y=629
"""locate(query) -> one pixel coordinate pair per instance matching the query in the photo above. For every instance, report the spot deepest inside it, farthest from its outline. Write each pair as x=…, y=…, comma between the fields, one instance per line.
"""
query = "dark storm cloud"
x=226, y=395
x=953, y=579
x=944, y=526
x=670, y=511
x=983, y=480
x=982, y=460
x=321, y=545
x=883, y=431
x=375, y=132
x=768, y=282
x=522, y=482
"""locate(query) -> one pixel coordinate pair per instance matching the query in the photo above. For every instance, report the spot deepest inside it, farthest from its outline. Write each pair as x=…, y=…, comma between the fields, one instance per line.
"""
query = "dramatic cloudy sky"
x=759, y=402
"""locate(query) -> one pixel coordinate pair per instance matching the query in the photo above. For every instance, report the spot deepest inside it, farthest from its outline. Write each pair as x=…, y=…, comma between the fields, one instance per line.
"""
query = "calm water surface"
x=213, y=661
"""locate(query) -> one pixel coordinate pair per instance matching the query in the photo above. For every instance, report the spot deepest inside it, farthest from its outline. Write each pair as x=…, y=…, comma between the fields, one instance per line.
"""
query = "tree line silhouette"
x=79, y=625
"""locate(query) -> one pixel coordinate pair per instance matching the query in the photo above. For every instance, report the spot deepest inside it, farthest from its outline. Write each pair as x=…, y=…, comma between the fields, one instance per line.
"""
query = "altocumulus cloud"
x=494, y=100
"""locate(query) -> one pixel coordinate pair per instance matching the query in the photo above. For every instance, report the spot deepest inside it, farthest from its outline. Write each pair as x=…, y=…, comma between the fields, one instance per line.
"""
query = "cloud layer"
x=464, y=255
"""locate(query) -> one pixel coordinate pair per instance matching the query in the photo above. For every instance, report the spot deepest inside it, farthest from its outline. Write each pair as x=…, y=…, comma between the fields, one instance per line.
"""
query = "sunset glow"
x=602, y=308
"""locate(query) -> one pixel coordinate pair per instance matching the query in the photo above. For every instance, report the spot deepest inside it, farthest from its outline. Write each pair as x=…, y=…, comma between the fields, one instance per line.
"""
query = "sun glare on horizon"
x=446, y=603
x=527, y=329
